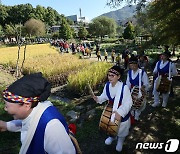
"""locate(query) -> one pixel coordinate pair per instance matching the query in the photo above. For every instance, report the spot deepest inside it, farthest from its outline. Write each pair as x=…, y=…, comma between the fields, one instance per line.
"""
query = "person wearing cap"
x=117, y=94
x=137, y=77
x=164, y=67
x=43, y=129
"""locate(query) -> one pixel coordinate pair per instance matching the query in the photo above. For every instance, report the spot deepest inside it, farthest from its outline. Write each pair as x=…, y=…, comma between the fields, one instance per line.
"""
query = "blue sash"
x=120, y=100
x=164, y=70
x=135, y=82
x=37, y=143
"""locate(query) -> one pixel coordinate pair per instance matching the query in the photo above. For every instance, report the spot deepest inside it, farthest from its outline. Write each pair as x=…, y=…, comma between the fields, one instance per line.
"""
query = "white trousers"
x=156, y=94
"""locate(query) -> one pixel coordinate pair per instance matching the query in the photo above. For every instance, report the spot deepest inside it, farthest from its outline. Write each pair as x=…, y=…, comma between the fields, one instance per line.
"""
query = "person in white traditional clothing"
x=118, y=95
x=164, y=68
x=137, y=77
x=43, y=129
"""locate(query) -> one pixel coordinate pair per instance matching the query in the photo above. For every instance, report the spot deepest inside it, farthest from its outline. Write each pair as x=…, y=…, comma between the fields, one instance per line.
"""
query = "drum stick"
x=90, y=90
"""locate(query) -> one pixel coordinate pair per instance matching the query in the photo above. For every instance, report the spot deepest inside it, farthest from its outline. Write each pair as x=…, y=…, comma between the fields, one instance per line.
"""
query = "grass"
x=93, y=74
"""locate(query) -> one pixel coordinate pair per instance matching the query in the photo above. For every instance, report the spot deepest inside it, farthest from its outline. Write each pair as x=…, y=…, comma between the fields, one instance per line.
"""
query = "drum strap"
x=169, y=70
x=164, y=70
x=109, y=96
x=37, y=144
x=111, y=101
x=140, y=83
x=137, y=79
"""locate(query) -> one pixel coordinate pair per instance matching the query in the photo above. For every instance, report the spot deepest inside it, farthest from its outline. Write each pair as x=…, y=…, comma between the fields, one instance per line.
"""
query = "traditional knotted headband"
x=10, y=97
x=113, y=71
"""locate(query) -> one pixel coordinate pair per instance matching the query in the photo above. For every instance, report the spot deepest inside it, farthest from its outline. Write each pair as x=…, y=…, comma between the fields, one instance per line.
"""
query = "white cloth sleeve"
x=56, y=140
x=103, y=97
x=14, y=125
x=126, y=102
x=128, y=82
x=173, y=69
x=155, y=69
x=145, y=81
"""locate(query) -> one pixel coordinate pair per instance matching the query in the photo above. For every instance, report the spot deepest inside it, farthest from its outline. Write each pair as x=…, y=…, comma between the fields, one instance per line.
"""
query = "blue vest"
x=135, y=82
x=37, y=143
x=164, y=70
x=120, y=100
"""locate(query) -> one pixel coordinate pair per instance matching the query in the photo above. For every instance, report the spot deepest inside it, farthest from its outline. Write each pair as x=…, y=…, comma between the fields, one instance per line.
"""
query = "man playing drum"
x=137, y=78
x=164, y=69
x=43, y=129
x=119, y=97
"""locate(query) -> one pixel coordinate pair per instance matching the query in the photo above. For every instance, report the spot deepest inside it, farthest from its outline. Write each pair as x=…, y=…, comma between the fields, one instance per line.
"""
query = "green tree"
x=102, y=26
x=82, y=33
x=119, y=30
x=50, y=18
x=3, y=15
x=40, y=13
x=1, y=31
x=20, y=13
x=65, y=31
x=35, y=27
x=129, y=31
x=9, y=30
x=165, y=16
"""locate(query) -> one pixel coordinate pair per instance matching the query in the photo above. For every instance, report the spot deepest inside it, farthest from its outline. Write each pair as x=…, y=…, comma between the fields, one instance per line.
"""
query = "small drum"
x=105, y=124
x=163, y=84
x=138, y=102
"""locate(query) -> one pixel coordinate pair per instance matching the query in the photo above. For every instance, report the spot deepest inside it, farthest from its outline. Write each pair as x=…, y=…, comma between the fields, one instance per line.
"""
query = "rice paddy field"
x=58, y=68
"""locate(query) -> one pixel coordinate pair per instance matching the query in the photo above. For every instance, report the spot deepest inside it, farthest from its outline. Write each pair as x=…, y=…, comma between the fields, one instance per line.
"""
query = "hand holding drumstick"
x=92, y=93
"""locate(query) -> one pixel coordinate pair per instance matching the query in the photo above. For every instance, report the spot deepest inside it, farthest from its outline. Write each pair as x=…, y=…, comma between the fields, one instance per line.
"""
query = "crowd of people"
x=84, y=48
x=44, y=129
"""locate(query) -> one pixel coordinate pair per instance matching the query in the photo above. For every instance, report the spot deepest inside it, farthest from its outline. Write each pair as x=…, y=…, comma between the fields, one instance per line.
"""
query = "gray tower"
x=80, y=12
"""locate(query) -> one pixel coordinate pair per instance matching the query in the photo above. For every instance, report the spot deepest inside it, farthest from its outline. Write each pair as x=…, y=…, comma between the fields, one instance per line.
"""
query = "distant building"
x=77, y=19
x=55, y=29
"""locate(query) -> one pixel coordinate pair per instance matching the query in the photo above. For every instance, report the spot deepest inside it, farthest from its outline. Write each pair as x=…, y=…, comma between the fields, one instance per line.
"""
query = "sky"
x=89, y=8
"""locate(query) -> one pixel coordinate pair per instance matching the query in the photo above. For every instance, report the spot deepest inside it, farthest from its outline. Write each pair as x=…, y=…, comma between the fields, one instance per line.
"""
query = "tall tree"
x=1, y=31
x=40, y=13
x=20, y=13
x=50, y=18
x=129, y=31
x=10, y=30
x=82, y=33
x=119, y=30
x=65, y=31
x=35, y=27
x=102, y=26
x=3, y=15
x=165, y=15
